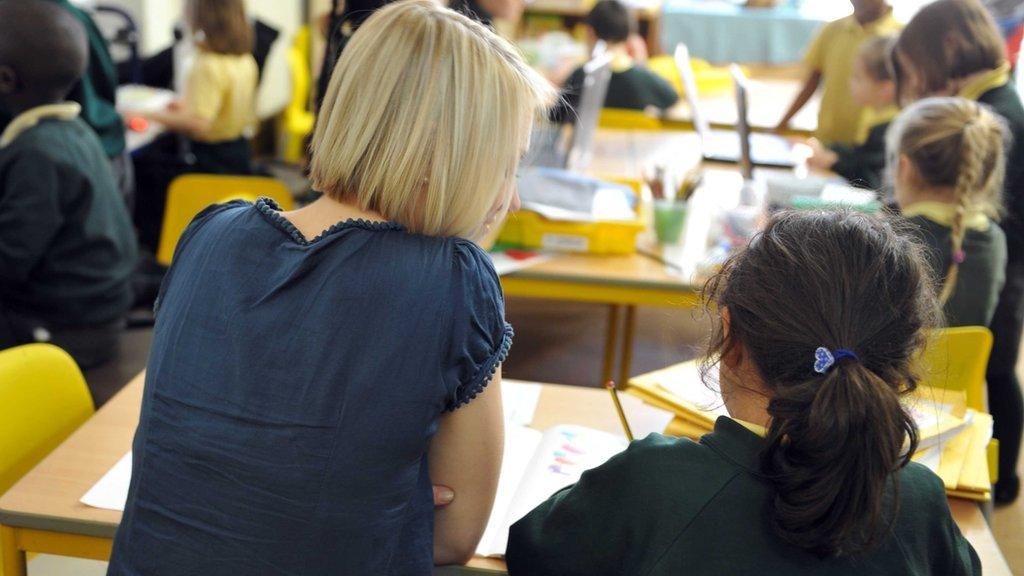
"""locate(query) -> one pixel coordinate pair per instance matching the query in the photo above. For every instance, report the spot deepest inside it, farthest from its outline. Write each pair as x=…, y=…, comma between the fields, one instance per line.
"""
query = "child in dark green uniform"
x=633, y=86
x=952, y=47
x=948, y=165
x=819, y=321
x=67, y=248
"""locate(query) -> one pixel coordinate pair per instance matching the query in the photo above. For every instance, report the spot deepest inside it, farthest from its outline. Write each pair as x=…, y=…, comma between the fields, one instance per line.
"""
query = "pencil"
x=618, y=408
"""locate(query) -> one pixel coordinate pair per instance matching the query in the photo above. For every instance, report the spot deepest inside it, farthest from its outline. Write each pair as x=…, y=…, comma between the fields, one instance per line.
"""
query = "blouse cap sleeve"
x=479, y=336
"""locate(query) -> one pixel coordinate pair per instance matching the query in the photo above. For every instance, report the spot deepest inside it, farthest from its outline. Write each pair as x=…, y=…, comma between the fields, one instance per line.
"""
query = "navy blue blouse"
x=292, y=391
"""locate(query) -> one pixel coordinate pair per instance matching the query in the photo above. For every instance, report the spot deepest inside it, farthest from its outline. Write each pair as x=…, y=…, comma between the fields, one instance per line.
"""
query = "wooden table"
x=42, y=512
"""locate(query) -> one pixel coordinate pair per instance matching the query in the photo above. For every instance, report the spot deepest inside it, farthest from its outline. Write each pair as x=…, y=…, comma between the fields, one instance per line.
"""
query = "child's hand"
x=822, y=157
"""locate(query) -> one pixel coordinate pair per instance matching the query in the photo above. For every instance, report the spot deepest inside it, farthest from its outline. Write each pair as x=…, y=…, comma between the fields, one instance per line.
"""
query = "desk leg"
x=611, y=338
x=627, y=346
x=12, y=560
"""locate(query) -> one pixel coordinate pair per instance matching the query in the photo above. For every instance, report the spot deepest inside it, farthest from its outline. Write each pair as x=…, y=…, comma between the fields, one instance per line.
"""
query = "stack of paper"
x=953, y=441
x=681, y=390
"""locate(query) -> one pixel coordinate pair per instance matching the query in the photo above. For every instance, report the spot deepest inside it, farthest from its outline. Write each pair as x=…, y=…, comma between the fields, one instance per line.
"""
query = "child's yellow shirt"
x=832, y=53
x=221, y=88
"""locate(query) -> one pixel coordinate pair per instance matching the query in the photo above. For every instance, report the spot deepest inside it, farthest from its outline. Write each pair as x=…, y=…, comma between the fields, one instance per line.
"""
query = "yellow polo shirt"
x=221, y=88
x=833, y=52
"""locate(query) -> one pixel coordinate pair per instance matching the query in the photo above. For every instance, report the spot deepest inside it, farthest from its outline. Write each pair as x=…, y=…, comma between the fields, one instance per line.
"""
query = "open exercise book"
x=536, y=466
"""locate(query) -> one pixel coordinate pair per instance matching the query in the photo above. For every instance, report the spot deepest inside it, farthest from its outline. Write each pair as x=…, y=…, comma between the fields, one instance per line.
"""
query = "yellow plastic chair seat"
x=43, y=399
x=190, y=194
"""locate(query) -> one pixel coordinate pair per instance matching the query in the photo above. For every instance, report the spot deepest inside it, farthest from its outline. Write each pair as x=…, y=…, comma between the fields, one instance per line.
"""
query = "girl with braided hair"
x=947, y=162
x=953, y=48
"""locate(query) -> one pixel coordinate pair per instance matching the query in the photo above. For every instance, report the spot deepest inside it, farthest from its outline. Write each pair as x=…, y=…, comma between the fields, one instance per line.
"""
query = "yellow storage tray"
x=531, y=230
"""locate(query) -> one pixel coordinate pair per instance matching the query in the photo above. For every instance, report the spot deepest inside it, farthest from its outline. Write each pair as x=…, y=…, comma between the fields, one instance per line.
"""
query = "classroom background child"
x=331, y=362
x=216, y=114
x=817, y=323
x=67, y=248
x=632, y=86
x=96, y=92
x=871, y=86
x=952, y=47
x=948, y=165
x=830, y=61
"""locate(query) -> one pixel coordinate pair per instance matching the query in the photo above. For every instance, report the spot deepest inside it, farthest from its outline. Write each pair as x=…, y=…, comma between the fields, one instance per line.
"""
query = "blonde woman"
x=314, y=372
x=947, y=162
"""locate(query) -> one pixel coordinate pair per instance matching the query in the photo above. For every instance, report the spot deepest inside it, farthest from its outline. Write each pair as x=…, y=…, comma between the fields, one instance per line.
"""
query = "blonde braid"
x=973, y=179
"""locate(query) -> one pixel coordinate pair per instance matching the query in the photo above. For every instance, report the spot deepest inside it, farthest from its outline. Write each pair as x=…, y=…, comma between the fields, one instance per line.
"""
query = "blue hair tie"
x=825, y=359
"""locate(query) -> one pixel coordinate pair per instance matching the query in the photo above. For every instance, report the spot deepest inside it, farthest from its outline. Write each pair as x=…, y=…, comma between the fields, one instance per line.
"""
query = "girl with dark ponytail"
x=818, y=324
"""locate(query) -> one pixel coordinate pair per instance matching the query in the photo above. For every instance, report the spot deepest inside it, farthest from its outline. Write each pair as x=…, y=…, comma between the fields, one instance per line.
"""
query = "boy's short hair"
x=612, y=21
x=44, y=44
x=875, y=56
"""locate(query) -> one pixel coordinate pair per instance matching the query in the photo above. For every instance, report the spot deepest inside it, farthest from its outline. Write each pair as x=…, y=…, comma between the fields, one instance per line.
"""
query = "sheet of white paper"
x=930, y=458
x=505, y=264
x=519, y=400
x=564, y=454
x=691, y=388
x=111, y=492
x=520, y=445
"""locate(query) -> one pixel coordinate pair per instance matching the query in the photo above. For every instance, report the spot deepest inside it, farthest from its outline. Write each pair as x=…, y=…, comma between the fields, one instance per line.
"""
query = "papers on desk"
x=562, y=195
x=953, y=441
x=535, y=466
x=509, y=261
x=519, y=401
x=111, y=492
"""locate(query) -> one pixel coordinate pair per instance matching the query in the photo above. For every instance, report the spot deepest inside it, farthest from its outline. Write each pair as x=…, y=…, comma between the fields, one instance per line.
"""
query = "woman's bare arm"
x=465, y=455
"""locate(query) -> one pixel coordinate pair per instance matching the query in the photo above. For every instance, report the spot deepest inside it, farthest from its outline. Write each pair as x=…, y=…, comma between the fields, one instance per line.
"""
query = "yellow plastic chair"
x=190, y=194
x=957, y=359
x=621, y=119
x=297, y=121
x=43, y=399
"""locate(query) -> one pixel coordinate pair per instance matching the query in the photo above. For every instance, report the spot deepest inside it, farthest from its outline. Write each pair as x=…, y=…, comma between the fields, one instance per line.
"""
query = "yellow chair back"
x=956, y=359
x=620, y=119
x=43, y=399
x=298, y=120
x=190, y=194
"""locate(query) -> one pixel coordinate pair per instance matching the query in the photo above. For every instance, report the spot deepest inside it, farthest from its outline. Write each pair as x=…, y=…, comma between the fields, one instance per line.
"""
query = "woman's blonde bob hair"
x=425, y=119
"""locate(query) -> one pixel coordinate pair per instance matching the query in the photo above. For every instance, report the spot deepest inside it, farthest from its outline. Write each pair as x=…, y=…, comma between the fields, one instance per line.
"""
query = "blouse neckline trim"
x=272, y=212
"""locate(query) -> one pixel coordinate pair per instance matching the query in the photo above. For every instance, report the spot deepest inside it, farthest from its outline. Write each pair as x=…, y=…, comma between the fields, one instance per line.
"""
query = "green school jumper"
x=676, y=507
x=67, y=248
x=981, y=276
x=634, y=88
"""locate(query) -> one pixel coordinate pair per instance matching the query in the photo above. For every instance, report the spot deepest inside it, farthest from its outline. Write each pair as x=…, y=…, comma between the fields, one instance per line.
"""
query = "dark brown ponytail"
x=837, y=280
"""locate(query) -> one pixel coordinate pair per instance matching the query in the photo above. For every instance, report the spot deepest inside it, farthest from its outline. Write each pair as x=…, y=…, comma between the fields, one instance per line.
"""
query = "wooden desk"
x=42, y=512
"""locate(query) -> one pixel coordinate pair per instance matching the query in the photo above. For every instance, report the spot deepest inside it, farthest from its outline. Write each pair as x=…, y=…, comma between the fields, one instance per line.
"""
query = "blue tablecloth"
x=723, y=32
